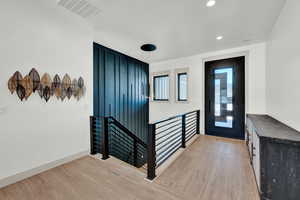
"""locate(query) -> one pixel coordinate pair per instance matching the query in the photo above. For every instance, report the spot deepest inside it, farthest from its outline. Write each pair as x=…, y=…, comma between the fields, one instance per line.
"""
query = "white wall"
x=255, y=81
x=283, y=66
x=42, y=35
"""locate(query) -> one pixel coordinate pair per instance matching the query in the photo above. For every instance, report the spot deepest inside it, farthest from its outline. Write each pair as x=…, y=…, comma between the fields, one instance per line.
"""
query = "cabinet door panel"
x=256, y=158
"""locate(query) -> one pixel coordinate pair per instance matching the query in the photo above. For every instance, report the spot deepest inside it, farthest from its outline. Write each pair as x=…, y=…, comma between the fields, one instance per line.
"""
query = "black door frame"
x=222, y=63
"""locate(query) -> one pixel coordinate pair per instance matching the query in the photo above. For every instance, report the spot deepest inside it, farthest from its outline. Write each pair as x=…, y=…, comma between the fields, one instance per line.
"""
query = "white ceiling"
x=182, y=27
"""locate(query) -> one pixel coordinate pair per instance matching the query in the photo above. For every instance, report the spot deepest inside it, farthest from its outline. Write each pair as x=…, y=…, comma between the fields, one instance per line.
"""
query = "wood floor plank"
x=210, y=169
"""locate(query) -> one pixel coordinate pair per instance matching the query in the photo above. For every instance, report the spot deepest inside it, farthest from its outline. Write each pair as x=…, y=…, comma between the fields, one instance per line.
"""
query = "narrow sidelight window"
x=161, y=88
x=182, y=86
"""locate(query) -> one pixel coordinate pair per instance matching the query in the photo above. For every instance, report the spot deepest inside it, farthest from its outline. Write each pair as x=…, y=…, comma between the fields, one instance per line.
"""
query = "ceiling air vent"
x=80, y=7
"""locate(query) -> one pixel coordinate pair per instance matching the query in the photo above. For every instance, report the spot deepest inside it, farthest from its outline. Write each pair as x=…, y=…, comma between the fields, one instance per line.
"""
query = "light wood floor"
x=210, y=169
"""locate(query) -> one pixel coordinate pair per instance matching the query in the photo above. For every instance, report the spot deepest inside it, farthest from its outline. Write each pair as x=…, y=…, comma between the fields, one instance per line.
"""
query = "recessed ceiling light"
x=219, y=37
x=210, y=3
x=148, y=47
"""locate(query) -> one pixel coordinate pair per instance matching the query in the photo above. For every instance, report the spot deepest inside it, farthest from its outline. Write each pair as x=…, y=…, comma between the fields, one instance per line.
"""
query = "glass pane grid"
x=161, y=88
x=182, y=87
x=223, y=97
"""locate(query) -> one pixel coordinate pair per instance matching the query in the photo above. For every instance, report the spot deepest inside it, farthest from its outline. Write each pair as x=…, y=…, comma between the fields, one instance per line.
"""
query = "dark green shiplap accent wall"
x=121, y=89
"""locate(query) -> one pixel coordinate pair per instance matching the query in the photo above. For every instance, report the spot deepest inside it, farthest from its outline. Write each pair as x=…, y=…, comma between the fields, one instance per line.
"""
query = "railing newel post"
x=151, y=157
x=198, y=122
x=135, y=163
x=183, y=131
x=92, y=136
x=105, y=147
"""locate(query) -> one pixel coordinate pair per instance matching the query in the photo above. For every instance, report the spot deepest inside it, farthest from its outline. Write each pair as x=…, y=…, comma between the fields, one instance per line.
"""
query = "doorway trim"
x=220, y=57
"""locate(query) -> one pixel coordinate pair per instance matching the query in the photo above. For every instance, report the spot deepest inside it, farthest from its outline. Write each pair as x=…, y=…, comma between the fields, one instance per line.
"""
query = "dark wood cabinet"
x=275, y=156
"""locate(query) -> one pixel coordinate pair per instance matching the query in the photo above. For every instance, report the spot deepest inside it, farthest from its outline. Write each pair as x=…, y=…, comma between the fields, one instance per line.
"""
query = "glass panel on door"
x=223, y=97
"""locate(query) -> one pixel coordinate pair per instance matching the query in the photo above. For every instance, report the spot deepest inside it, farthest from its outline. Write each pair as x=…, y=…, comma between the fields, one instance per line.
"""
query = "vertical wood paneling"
x=96, y=81
x=110, y=85
x=120, y=89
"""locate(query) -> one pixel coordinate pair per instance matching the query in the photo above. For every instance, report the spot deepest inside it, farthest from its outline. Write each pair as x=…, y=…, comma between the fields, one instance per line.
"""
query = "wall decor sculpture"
x=45, y=86
x=35, y=77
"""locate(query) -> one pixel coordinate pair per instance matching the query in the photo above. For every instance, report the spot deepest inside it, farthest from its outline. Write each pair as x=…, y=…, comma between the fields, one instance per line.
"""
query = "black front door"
x=225, y=97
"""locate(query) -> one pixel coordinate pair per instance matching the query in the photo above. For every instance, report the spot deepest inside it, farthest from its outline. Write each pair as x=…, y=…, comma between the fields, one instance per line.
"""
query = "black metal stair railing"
x=167, y=136
x=110, y=137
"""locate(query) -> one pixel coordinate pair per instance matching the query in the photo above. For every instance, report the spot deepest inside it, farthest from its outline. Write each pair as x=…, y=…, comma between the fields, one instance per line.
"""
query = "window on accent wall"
x=161, y=88
x=182, y=86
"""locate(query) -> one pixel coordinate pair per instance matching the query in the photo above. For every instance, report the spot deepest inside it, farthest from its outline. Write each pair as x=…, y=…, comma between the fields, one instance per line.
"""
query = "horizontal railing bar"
x=120, y=155
x=194, y=111
x=170, y=136
x=123, y=147
x=168, y=153
x=166, y=157
x=191, y=118
x=191, y=123
x=189, y=136
x=174, y=138
x=190, y=128
x=123, y=139
x=167, y=124
x=163, y=131
x=162, y=138
x=177, y=116
x=158, y=122
x=170, y=132
x=191, y=132
x=128, y=132
x=166, y=147
x=121, y=150
x=121, y=133
x=187, y=139
x=129, y=141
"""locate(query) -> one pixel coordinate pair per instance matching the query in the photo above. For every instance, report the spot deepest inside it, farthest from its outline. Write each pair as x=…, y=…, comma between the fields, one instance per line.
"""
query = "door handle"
x=209, y=103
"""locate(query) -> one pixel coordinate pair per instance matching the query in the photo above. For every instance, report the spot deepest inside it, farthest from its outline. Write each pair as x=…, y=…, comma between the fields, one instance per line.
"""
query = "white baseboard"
x=26, y=174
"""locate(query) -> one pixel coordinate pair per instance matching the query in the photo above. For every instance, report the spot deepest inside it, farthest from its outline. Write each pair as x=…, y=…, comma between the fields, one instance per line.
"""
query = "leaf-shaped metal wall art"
x=66, y=82
x=40, y=90
x=75, y=87
x=80, y=82
x=57, y=93
x=35, y=77
x=52, y=89
x=21, y=92
x=69, y=93
x=55, y=87
x=56, y=81
x=46, y=80
x=63, y=94
x=28, y=85
x=12, y=85
x=46, y=93
x=17, y=77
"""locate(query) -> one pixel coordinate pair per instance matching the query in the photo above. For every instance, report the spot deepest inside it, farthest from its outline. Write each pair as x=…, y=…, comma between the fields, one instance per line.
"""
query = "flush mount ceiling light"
x=219, y=37
x=148, y=47
x=210, y=3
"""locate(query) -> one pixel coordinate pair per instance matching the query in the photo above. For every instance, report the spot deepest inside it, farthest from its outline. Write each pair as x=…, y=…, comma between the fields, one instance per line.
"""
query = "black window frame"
x=160, y=76
x=178, y=86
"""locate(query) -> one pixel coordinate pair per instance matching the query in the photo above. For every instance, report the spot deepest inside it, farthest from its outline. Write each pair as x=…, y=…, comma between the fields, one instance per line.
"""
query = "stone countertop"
x=269, y=127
